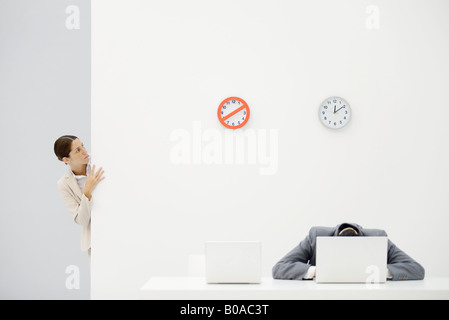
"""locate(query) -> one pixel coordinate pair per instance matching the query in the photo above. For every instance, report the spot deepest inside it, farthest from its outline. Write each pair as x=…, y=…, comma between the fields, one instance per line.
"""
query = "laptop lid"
x=351, y=259
x=233, y=261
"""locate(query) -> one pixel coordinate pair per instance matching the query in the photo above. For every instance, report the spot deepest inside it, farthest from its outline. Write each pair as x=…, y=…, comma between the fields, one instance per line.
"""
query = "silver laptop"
x=233, y=261
x=351, y=259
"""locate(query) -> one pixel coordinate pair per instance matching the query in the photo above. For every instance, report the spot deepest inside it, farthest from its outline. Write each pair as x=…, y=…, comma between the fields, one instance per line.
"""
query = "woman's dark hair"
x=63, y=146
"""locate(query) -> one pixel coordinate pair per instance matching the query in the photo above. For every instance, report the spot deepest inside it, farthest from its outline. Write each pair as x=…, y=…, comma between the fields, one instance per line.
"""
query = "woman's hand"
x=92, y=180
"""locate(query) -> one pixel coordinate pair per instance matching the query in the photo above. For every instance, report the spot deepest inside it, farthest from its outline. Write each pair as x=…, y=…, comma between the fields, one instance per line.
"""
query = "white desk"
x=186, y=288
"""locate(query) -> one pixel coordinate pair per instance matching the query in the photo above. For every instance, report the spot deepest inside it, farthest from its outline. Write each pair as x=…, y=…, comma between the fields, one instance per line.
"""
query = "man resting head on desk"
x=299, y=263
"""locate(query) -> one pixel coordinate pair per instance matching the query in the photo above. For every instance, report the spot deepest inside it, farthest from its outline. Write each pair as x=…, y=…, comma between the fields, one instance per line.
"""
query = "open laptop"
x=351, y=259
x=233, y=261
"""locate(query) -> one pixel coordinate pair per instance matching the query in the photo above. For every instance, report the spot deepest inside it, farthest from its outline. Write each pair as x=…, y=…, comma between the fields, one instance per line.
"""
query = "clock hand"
x=334, y=109
x=337, y=110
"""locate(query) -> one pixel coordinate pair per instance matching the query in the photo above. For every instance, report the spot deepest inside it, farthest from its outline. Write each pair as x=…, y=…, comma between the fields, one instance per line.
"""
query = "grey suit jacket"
x=294, y=265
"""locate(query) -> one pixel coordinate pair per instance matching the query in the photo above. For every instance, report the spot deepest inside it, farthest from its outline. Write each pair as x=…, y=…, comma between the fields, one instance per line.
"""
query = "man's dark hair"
x=348, y=232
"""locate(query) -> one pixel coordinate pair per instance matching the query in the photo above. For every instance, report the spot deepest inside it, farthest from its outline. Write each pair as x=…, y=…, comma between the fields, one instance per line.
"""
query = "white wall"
x=160, y=70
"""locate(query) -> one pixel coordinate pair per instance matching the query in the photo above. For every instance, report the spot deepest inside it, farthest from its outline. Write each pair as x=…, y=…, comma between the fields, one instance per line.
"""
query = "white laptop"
x=351, y=259
x=233, y=261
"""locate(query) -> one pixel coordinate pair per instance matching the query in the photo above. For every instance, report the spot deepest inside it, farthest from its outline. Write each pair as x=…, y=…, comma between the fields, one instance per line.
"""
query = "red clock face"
x=233, y=113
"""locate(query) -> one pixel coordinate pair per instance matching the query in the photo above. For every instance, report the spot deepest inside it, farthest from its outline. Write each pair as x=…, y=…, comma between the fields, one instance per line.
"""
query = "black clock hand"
x=337, y=110
x=334, y=109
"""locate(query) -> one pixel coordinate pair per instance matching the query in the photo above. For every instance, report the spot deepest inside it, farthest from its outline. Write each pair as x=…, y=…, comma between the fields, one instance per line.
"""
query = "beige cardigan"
x=78, y=205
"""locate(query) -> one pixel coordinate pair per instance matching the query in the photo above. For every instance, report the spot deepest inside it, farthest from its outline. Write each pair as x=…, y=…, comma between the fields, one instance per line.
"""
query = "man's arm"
x=294, y=265
x=402, y=266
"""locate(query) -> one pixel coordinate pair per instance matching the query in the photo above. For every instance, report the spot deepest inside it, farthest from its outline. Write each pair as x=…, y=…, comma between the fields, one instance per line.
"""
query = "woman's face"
x=78, y=155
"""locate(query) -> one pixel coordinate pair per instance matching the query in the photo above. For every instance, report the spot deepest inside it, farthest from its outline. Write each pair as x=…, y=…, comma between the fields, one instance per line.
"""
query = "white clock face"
x=335, y=112
x=233, y=113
